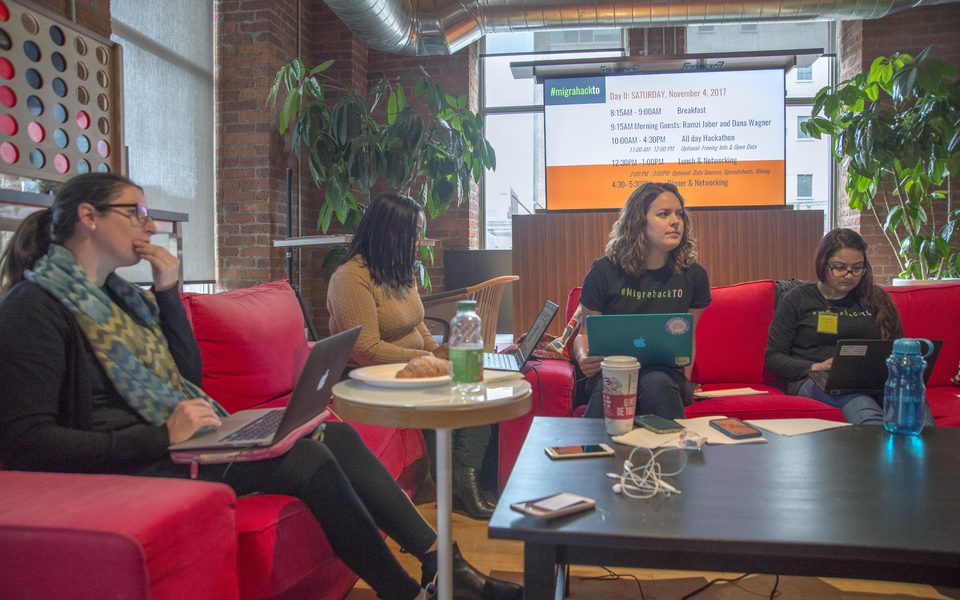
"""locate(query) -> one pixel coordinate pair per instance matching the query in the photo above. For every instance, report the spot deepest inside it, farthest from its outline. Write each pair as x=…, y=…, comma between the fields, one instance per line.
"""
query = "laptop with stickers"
x=654, y=339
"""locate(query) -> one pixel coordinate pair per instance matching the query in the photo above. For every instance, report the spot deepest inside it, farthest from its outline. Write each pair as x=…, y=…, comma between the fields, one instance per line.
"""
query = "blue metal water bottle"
x=904, y=394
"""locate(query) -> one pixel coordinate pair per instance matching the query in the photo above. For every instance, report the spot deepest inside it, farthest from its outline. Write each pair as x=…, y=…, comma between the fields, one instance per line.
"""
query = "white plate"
x=386, y=376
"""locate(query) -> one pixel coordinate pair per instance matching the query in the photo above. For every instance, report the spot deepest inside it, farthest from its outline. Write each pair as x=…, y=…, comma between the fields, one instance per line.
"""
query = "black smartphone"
x=581, y=451
x=657, y=424
x=735, y=428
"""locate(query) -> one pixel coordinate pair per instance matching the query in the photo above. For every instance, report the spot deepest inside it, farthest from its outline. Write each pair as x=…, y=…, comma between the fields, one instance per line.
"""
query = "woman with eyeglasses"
x=843, y=303
x=100, y=376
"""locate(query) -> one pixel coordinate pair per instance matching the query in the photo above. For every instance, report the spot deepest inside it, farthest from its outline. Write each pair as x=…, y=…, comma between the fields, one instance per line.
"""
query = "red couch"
x=731, y=340
x=91, y=536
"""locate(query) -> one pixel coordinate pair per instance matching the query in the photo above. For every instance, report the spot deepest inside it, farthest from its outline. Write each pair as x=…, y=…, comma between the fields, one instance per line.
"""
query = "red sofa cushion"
x=112, y=536
x=930, y=311
x=573, y=301
x=732, y=333
x=772, y=405
x=264, y=322
x=553, y=383
x=283, y=552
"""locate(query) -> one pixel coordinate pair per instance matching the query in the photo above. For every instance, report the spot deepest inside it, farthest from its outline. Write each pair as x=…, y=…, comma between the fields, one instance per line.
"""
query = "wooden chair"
x=441, y=307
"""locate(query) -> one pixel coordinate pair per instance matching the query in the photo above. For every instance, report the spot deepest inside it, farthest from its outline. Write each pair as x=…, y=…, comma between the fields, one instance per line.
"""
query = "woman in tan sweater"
x=375, y=287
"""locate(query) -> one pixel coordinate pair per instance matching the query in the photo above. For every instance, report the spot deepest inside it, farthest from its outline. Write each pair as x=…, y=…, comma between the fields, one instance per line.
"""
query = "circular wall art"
x=60, y=103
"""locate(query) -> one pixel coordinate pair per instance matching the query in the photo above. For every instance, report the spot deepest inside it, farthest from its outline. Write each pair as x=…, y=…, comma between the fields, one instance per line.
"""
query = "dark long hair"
x=55, y=225
x=387, y=240
x=867, y=293
x=628, y=239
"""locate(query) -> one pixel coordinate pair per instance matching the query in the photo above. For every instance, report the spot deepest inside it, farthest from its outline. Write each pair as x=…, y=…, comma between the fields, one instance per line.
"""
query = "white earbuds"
x=646, y=480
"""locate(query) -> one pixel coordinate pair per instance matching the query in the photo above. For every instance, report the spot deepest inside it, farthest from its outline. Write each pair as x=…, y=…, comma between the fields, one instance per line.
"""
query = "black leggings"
x=351, y=494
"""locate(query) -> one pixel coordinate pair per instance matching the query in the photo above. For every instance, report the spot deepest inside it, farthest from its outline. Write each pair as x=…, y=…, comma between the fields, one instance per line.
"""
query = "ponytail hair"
x=55, y=225
x=31, y=241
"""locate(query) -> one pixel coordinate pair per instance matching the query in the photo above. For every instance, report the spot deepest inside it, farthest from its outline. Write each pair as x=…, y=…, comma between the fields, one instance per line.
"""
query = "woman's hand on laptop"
x=442, y=351
x=188, y=417
x=822, y=366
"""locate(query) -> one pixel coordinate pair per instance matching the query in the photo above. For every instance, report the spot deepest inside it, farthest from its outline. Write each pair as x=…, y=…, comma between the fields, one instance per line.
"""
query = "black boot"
x=466, y=489
x=469, y=583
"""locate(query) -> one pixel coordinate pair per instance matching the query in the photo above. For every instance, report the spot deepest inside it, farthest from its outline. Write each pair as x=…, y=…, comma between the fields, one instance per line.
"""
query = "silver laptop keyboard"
x=493, y=360
x=258, y=428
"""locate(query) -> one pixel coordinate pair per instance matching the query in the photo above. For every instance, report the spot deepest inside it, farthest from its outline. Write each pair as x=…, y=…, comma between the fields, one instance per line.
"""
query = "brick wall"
x=860, y=43
x=255, y=37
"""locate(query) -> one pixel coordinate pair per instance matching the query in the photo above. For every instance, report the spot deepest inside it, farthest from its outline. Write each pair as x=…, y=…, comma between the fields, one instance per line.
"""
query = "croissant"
x=424, y=366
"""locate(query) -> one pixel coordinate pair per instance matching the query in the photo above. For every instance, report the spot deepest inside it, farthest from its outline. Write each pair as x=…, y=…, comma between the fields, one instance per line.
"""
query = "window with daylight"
x=804, y=185
x=804, y=73
x=168, y=63
x=801, y=134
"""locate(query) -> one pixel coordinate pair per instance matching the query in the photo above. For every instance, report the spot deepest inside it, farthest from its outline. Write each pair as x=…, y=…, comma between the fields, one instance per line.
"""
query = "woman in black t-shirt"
x=649, y=267
x=844, y=303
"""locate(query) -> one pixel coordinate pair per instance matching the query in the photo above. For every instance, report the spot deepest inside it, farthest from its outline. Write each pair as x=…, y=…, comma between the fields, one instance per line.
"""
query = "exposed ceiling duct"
x=423, y=27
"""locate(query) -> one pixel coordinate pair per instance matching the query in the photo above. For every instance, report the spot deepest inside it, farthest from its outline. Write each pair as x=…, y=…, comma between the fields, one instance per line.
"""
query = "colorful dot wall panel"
x=60, y=97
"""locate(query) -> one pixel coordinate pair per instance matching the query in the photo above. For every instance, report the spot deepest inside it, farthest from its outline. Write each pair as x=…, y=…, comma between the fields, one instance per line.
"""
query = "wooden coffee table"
x=851, y=502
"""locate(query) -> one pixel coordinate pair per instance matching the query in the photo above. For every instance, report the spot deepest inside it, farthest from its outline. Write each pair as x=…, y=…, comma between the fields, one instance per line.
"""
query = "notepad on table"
x=746, y=391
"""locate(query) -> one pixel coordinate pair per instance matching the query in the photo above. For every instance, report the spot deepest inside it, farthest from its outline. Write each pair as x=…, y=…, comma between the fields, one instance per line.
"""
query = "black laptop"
x=515, y=361
x=860, y=366
x=267, y=426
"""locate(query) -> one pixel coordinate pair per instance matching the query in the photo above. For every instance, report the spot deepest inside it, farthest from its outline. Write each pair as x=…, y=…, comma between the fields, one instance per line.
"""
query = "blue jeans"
x=857, y=408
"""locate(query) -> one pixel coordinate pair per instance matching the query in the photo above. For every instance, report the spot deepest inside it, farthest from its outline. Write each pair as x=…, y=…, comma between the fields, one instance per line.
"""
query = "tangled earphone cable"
x=646, y=480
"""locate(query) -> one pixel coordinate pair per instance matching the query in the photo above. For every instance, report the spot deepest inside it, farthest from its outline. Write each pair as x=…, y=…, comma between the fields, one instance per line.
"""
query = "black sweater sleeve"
x=779, y=358
x=46, y=413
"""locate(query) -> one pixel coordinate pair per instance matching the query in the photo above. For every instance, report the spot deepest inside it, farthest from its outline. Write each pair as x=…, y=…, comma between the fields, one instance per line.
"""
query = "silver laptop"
x=267, y=426
x=515, y=361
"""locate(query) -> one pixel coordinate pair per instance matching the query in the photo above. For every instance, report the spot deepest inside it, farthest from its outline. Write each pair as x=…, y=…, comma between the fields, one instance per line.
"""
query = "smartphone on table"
x=735, y=428
x=657, y=424
x=579, y=451
x=554, y=506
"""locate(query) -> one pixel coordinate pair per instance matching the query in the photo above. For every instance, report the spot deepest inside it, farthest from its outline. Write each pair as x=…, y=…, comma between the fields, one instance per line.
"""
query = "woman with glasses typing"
x=100, y=376
x=843, y=303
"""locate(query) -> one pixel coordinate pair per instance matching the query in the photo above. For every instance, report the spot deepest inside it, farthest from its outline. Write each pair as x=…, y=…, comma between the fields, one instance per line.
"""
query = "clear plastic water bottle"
x=466, y=350
x=904, y=394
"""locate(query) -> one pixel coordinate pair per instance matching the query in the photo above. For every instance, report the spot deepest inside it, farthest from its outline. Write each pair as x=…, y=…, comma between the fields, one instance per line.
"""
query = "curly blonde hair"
x=628, y=248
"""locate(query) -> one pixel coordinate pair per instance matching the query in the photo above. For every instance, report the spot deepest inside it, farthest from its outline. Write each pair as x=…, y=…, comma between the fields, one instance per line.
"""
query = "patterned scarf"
x=126, y=337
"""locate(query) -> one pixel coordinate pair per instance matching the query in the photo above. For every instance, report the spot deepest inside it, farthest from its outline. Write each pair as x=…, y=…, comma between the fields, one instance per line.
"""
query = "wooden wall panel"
x=552, y=251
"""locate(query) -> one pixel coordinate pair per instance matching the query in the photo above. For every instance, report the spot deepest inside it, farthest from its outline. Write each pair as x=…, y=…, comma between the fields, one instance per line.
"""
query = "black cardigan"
x=49, y=419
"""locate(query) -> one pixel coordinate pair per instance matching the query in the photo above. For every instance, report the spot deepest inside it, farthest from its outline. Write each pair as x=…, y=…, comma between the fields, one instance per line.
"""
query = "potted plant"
x=896, y=127
x=431, y=149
